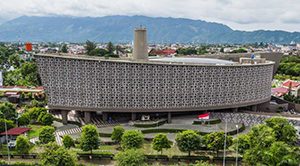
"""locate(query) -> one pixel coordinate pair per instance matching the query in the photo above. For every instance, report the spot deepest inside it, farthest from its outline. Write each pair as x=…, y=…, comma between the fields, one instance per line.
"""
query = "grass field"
x=34, y=132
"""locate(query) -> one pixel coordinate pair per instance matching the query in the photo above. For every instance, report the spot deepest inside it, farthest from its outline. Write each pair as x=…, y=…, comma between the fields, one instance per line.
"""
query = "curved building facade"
x=91, y=84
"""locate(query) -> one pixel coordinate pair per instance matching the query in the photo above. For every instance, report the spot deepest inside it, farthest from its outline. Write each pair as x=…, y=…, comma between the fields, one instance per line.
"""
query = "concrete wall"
x=93, y=85
x=275, y=57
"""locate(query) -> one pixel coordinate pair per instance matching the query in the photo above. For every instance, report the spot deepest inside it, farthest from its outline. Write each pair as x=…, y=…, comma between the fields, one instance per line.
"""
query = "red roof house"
x=16, y=131
x=279, y=91
x=290, y=83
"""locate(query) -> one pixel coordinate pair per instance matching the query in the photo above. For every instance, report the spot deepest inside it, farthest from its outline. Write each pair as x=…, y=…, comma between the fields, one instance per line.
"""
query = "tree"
x=68, y=141
x=46, y=119
x=188, y=141
x=22, y=145
x=8, y=111
x=54, y=155
x=46, y=134
x=89, y=46
x=243, y=142
x=161, y=142
x=9, y=123
x=30, y=75
x=117, y=134
x=24, y=119
x=284, y=131
x=89, y=138
x=215, y=141
x=261, y=137
x=110, y=48
x=15, y=60
x=280, y=153
x=64, y=48
x=35, y=112
x=130, y=157
x=132, y=139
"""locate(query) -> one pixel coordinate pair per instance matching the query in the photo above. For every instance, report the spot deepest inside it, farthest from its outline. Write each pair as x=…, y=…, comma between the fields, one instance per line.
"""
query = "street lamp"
x=237, y=147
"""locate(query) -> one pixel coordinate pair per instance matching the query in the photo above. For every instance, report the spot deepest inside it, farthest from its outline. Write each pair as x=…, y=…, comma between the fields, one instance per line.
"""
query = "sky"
x=238, y=14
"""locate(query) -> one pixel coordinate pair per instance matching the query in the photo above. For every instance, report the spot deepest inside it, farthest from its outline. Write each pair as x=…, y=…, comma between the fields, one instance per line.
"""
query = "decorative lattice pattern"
x=120, y=85
x=247, y=119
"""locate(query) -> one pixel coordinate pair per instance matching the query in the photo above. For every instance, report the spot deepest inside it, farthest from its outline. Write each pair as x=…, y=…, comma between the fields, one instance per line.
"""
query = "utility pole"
x=6, y=136
x=224, y=154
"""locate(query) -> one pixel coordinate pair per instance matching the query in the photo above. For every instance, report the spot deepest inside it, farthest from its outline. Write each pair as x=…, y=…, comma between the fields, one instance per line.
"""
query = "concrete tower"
x=140, y=48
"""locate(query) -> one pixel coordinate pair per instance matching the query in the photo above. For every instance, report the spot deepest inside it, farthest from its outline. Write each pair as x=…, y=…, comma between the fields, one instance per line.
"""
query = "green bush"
x=22, y=144
x=24, y=119
x=131, y=157
x=46, y=134
x=132, y=139
x=188, y=141
x=117, y=134
x=68, y=141
x=45, y=119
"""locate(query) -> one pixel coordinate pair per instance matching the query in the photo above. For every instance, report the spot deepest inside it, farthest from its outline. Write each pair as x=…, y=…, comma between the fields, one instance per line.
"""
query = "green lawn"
x=34, y=132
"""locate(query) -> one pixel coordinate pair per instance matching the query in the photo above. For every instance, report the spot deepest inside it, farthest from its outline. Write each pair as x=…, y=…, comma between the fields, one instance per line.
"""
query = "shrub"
x=89, y=138
x=117, y=133
x=24, y=119
x=35, y=112
x=215, y=141
x=161, y=142
x=46, y=134
x=132, y=139
x=56, y=155
x=68, y=141
x=131, y=157
x=22, y=144
x=46, y=119
x=188, y=141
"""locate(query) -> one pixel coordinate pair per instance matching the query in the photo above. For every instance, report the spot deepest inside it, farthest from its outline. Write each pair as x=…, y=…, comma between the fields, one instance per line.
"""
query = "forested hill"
x=120, y=29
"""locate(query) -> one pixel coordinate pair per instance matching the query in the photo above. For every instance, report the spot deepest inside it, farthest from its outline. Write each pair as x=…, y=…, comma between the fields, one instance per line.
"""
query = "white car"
x=12, y=143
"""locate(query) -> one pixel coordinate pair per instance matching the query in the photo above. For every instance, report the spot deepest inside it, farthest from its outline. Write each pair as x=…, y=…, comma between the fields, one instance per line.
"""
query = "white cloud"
x=238, y=14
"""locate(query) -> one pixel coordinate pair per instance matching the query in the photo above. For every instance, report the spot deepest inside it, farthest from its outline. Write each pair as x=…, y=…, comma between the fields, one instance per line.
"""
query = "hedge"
x=206, y=121
x=161, y=130
x=178, y=158
x=166, y=130
x=148, y=124
x=227, y=158
x=157, y=157
x=97, y=155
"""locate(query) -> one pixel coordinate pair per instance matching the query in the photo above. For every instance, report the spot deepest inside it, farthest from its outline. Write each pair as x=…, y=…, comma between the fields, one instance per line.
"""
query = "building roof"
x=280, y=91
x=157, y=61
x=162, y=52
x=16, y=131
x=193, y=60
x=291, y=83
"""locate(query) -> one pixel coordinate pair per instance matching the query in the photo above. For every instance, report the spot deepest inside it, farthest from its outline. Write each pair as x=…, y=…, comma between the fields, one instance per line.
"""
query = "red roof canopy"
x=16, y=131
x=291, y=83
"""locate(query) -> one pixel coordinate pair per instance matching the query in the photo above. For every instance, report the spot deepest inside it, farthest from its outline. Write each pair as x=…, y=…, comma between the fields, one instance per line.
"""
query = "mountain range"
x=119, y=29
